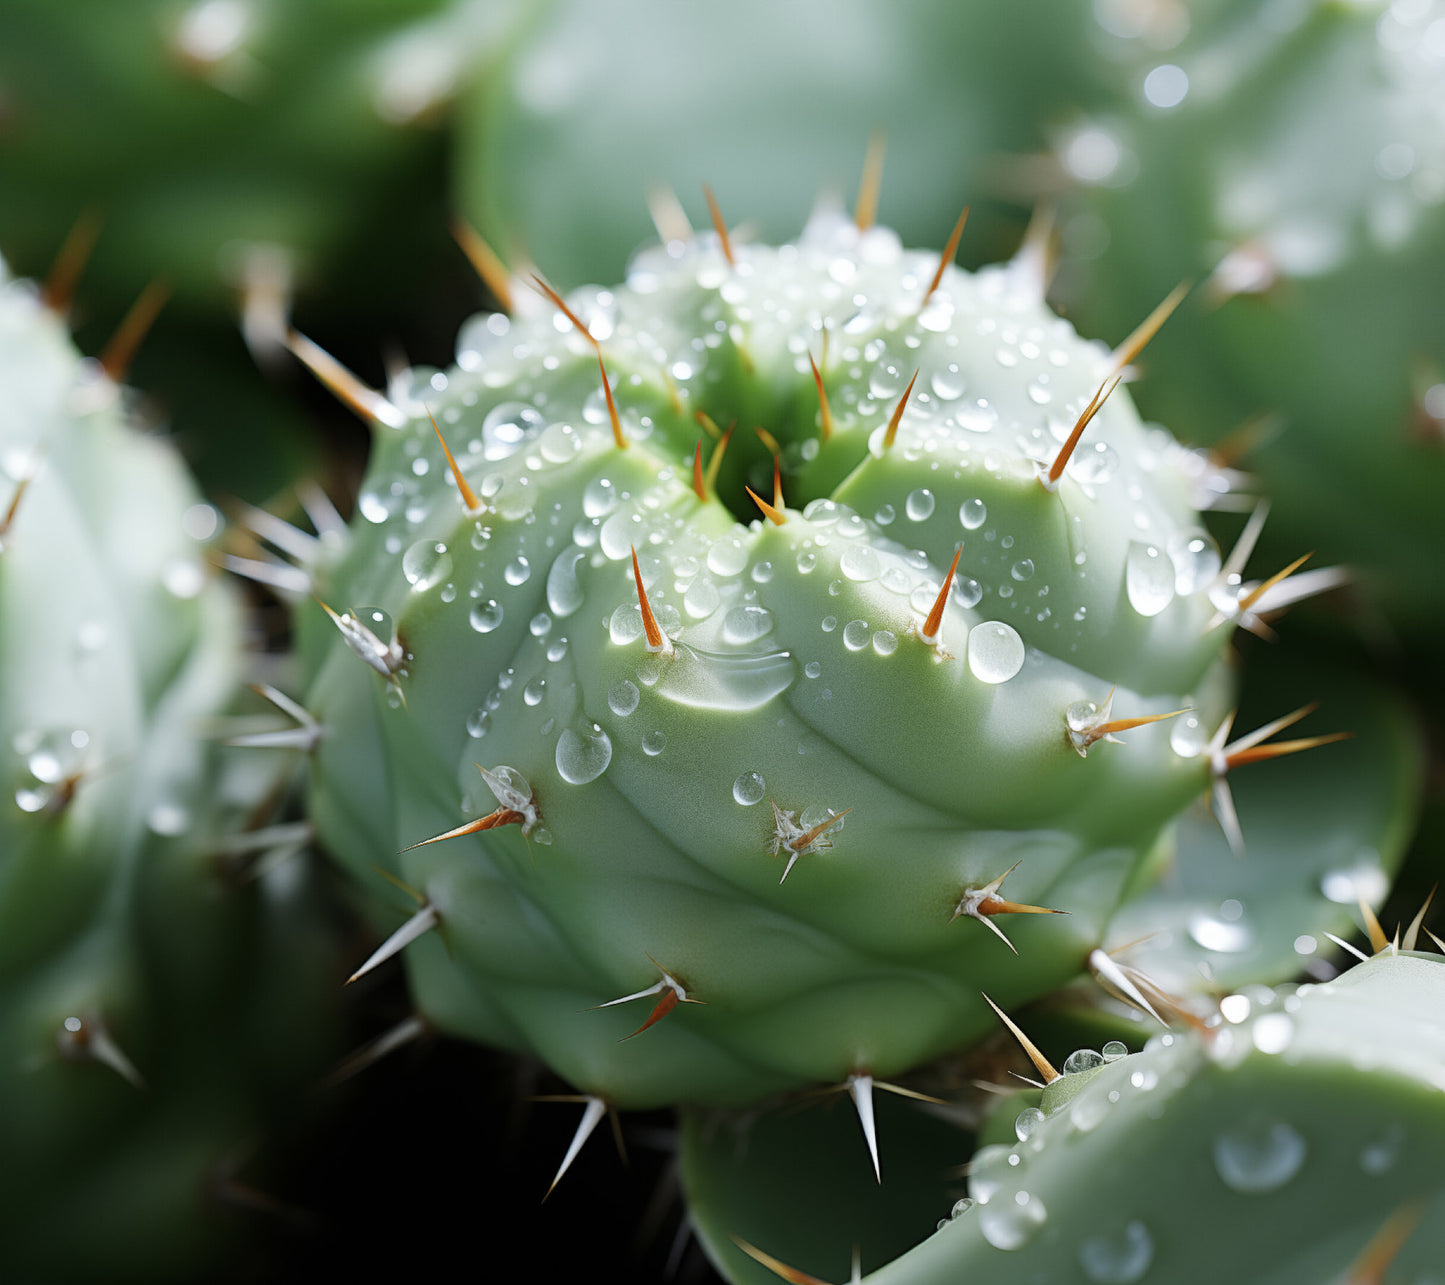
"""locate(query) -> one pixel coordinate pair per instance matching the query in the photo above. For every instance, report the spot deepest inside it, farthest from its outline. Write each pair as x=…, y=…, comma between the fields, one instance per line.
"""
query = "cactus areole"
x=720, y=641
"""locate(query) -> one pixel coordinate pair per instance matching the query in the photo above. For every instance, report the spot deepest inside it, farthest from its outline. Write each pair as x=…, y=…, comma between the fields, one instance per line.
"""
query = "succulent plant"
x=150, y=1015
x=1318, y=1103
x=752, y=742
x=1294, y=155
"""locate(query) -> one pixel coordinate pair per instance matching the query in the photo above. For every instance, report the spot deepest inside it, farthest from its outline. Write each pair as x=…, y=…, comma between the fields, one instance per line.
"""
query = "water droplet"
x=560, y=443
x=533, y=692
x=518, y=571
x=506, y=427
x=919, y=505
x=654, y=743
x=749, y=788
x=426, y=563
x=885, y=642
x=995, y=652
x=806, y=561
x=948, y=384
x=1022, y=570
x=1026, y=1122
x=1364, y=879
x=1148, y=579
x=486, y=616
x=860, y=563
x=1273, y=1032
x=478, y=722
x=1196, y=561
x=828, y=624
x=625, y=624
x=168, y=819
x=564, y=590
x=727, y=556
x=583, y=757
x=746, y=623
x=1011, y=1226
x=599, y=497
x=885, y=515
x=812, y=669
x=1118, y=1259
x=972, y=514
x=1114, y=1050
x=762, y=572
x=701, y=599
x=1082, y=1060
x=855, y=635
x=622, y=698
x=1259, y=1157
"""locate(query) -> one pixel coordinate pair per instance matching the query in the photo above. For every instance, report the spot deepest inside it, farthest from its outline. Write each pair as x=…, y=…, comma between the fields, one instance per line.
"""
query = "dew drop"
x=533, y=692
x=1082, y=1060
x=727, y=556
x=564, y=590
x=746, y=623
x=860, y=563
x=972, y=514
x=855, y=635
x=599, y=497
x=1026, y=1122
x=1217, y=935
x=654, y=743
x=518, y=571
x=1196, y=561
x=479, y=721
x=919, y=505
x=506, y=427
x=1022, y=570
x=622, y=698
x=426, y=563
x=812, y=669
x=1259, y=1157
x=1118, y=1259
x=885, y=642
x=486, y=616
x=701, y=599
x=583, y=757
x=995, y=652
x=749, y=789
x=168, y=819
x=1148, y=579
x=1011, y=1226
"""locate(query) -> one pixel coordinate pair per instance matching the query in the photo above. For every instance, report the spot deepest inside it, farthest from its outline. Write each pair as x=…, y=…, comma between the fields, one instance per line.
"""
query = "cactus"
x=150, y=1017
x=1294, y=155
x=761, y=736
x=1317, y=1105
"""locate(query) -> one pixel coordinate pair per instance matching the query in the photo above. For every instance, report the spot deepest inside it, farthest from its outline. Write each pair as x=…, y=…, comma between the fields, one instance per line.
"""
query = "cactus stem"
x=1412, y=933
x=485, y=261
x=699, y=485
x=709, y=425
x=934, y=621
x=365, y=401
x=1041, y=1063
x=871, y=184
x=13, y=507
x=893, y=420
x=281, y=576
x=668, y=217
x=1113, y=977
x=611, y=406
x=424, y=920
x=983, y=903
x=560, y=304
x=945, y=258
x=715, y=463
x=117, y=355
x=403, y=1033
x=90, y=1039
x=591, y=1117
x=1050, y=480
x=470, y=502
x=825, y=415
x=75, y=250
x=774, y=515
x=657, y=641
x=779, y=1268
x=1148, y=328
x=719, y=226
x=1385, y=1245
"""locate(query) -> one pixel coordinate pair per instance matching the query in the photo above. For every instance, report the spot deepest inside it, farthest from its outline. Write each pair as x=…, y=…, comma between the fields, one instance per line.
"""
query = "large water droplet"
x=1118, y=1259
x=1012, y=1224
x=506, y=427
x=1259, y=1157
x=1196, y=561
x=583, y=757
x=564, y=590
x=860, y=563
x=518, y=571
x=599, y=497
x=622, y=698
x=746, y=623
x=653, y=743
x=1082, y=1060
x=1026, y=1122
x=995, y=652
x=855, y=635
x=1148, y=579
x=727, y=556
x=749, y=788
x=426, y=563
x=919, y=505
x=1216, y=934
x=972, y=514
x=486, y=616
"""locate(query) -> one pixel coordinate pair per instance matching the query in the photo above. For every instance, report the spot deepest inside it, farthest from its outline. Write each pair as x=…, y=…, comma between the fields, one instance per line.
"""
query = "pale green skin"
x=852, y=963
x=1298, y=1130
x=111, y=909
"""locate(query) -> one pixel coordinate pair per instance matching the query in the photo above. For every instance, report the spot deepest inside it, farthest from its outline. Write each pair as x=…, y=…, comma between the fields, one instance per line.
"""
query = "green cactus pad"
x=661, y=832
x=1309, y=1125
